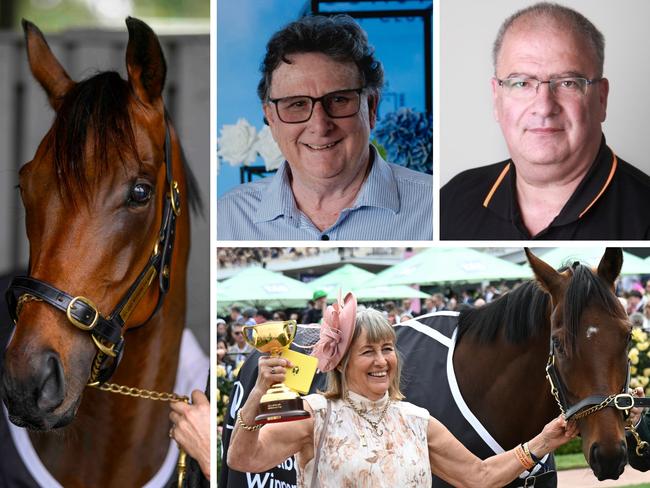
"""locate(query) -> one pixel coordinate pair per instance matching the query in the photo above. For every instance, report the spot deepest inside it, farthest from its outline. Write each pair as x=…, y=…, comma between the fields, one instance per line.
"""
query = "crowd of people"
x=232, y=349
x=237, y=257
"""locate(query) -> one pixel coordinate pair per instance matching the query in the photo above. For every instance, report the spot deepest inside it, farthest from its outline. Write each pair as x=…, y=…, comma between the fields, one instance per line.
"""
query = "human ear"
x=495, y=98
x=373, y=103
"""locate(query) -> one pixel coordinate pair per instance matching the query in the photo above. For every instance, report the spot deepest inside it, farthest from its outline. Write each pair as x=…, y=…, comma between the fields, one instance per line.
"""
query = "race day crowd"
x=232, y=349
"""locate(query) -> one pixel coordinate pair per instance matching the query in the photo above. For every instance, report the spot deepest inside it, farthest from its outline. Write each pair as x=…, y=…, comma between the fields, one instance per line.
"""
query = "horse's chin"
x=610, y=466
x=44, y=421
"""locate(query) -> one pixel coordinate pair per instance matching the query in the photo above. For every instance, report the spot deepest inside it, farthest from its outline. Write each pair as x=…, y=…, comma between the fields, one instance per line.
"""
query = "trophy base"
x=285, y=410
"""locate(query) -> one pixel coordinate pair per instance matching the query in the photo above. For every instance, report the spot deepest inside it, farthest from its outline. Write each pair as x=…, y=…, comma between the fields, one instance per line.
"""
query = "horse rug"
x=426, y=346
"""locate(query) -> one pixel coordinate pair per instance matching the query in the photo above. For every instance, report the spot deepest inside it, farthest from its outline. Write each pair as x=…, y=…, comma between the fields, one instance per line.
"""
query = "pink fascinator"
x=336, y=332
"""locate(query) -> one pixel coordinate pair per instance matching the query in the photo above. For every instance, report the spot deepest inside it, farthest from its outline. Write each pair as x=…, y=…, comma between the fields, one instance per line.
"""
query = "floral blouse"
x=354, y=455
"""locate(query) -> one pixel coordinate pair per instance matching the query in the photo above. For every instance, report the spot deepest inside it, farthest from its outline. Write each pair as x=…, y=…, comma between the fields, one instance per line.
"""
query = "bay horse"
x=105, y=199
x=495, y=361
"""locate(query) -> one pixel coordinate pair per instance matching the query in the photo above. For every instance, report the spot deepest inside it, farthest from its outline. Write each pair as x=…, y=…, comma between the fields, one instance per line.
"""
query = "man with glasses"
x=319, y=90
x=562, y=180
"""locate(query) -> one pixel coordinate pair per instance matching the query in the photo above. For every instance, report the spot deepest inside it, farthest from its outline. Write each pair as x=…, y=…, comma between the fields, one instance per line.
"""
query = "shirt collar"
x=378, y=190
x=502, y=196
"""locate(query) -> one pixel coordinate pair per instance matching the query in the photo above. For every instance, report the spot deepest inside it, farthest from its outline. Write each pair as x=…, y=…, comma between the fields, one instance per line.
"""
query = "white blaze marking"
x=591, y=330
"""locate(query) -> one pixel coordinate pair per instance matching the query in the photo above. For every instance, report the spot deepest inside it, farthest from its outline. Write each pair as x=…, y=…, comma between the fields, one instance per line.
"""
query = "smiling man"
x=562, y=181
x=319, y=90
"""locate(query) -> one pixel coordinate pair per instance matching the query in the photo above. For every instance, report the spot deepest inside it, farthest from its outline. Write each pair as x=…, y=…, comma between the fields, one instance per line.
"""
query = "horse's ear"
x=550, y=279
x=45, y=67
x=610, y=265
x=145, y=62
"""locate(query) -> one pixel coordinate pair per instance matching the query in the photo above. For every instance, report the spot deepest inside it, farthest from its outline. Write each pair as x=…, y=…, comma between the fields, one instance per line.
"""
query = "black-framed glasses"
x=337, y=105
x=565, y=87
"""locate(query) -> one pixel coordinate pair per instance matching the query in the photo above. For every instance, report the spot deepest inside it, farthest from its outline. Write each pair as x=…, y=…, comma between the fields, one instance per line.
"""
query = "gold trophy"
x=279, y=403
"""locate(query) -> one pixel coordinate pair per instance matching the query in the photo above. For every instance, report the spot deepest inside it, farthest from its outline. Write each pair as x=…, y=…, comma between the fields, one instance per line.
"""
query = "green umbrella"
x=347, y=277
x=564, y=256
x=450, y=265
x=353, y=278
x=368, y=294
x=260, y=287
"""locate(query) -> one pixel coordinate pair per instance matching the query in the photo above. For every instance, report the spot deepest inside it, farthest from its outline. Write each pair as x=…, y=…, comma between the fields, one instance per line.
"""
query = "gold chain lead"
x=142, y=393
x=131, y=391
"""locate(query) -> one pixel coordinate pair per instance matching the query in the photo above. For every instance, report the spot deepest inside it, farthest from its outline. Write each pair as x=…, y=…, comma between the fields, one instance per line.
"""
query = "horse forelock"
x=519, y=313
x=585, y=289
x=92, y=126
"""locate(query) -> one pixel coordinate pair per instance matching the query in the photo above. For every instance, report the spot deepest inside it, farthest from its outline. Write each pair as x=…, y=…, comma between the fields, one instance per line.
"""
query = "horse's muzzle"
x=33, y=399
x=608, y=463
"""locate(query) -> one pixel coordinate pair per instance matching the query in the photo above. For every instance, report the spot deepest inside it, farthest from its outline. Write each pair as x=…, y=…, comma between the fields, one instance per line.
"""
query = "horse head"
x=96, y=197
x=588, y=364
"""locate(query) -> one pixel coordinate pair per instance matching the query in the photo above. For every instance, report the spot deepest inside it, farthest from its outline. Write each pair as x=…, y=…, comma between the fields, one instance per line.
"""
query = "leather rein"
x=107, y=332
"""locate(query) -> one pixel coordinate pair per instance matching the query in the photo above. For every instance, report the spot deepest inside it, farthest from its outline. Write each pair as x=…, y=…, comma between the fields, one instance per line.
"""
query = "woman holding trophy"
x=360, y=432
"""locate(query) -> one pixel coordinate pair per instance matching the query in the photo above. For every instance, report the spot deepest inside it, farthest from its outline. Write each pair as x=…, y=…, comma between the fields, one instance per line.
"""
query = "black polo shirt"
x=611, y=203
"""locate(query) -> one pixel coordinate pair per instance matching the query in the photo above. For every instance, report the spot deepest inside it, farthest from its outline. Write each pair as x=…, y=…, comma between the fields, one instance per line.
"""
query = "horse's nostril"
x=50, y=394
x=608, y=466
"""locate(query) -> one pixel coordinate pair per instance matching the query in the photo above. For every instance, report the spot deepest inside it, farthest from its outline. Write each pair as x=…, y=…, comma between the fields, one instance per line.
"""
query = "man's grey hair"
x=559, y=15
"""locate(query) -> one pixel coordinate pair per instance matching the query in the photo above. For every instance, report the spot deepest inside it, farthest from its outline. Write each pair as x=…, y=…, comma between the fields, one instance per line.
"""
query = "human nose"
x=545, y=102
x=380, y=359
x=320, y=121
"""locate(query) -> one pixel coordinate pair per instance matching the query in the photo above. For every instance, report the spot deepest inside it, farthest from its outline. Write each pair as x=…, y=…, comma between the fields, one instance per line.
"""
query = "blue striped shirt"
x=394, y=203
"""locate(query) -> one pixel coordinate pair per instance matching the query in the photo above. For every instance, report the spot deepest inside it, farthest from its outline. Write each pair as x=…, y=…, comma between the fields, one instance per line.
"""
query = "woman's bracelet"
x=530, y=453
x=524, y=457
x=245, y=426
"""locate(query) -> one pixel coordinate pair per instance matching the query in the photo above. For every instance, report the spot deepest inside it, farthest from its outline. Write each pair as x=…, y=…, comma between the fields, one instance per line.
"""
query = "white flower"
x=237, y=143
x=268, y=149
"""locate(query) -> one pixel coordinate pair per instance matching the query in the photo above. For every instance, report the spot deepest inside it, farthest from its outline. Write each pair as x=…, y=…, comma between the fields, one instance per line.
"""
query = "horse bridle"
x=593, y=403
x=107, y=332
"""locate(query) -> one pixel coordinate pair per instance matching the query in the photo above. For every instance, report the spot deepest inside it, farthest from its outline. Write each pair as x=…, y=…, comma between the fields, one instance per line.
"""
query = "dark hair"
x=634, y=293
x=338, y=37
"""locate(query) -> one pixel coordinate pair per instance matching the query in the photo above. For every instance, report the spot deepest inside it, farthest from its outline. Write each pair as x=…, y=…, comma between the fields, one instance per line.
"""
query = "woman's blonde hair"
x=377, y=330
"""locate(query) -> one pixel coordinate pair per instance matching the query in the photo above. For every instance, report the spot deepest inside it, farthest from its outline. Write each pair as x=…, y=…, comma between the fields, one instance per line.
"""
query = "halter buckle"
x=78, y=323
x=625, y=396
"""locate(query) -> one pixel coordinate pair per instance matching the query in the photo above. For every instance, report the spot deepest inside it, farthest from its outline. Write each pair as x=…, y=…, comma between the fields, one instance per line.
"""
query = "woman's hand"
x=555, y=434
x=270, y=371
x=191, y=428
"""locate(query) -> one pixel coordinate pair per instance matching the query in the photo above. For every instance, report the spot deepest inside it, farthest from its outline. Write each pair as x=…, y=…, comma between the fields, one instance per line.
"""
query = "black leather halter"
x=621, y=401
x=107, y=332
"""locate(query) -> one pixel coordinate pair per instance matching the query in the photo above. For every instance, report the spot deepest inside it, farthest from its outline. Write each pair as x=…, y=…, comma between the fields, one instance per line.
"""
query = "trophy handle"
x=250, y=335
x=291, y=327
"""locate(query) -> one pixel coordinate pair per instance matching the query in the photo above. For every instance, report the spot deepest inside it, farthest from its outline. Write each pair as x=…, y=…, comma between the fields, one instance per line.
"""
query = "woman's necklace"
x=373, y=423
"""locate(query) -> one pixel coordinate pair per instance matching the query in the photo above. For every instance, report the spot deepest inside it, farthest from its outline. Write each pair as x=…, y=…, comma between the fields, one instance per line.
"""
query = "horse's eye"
x=140, y=194
x=557, y=344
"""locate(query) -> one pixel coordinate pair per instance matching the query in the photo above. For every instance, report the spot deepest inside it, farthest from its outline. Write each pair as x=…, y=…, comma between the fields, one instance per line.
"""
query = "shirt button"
x=324, y=237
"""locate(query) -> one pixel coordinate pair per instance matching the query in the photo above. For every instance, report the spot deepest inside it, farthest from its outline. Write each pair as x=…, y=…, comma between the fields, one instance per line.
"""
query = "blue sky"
x=244, y=27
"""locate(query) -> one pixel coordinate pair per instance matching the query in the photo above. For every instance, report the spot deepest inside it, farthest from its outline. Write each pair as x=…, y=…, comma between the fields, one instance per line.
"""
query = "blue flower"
x=407, y=137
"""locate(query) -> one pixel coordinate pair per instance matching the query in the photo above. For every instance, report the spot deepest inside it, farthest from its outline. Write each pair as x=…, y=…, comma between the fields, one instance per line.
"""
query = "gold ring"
x=272, y=370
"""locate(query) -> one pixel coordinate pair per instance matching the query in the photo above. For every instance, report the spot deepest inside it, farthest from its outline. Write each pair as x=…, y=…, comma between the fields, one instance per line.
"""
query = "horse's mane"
x=96, y=110
x=521, y=312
